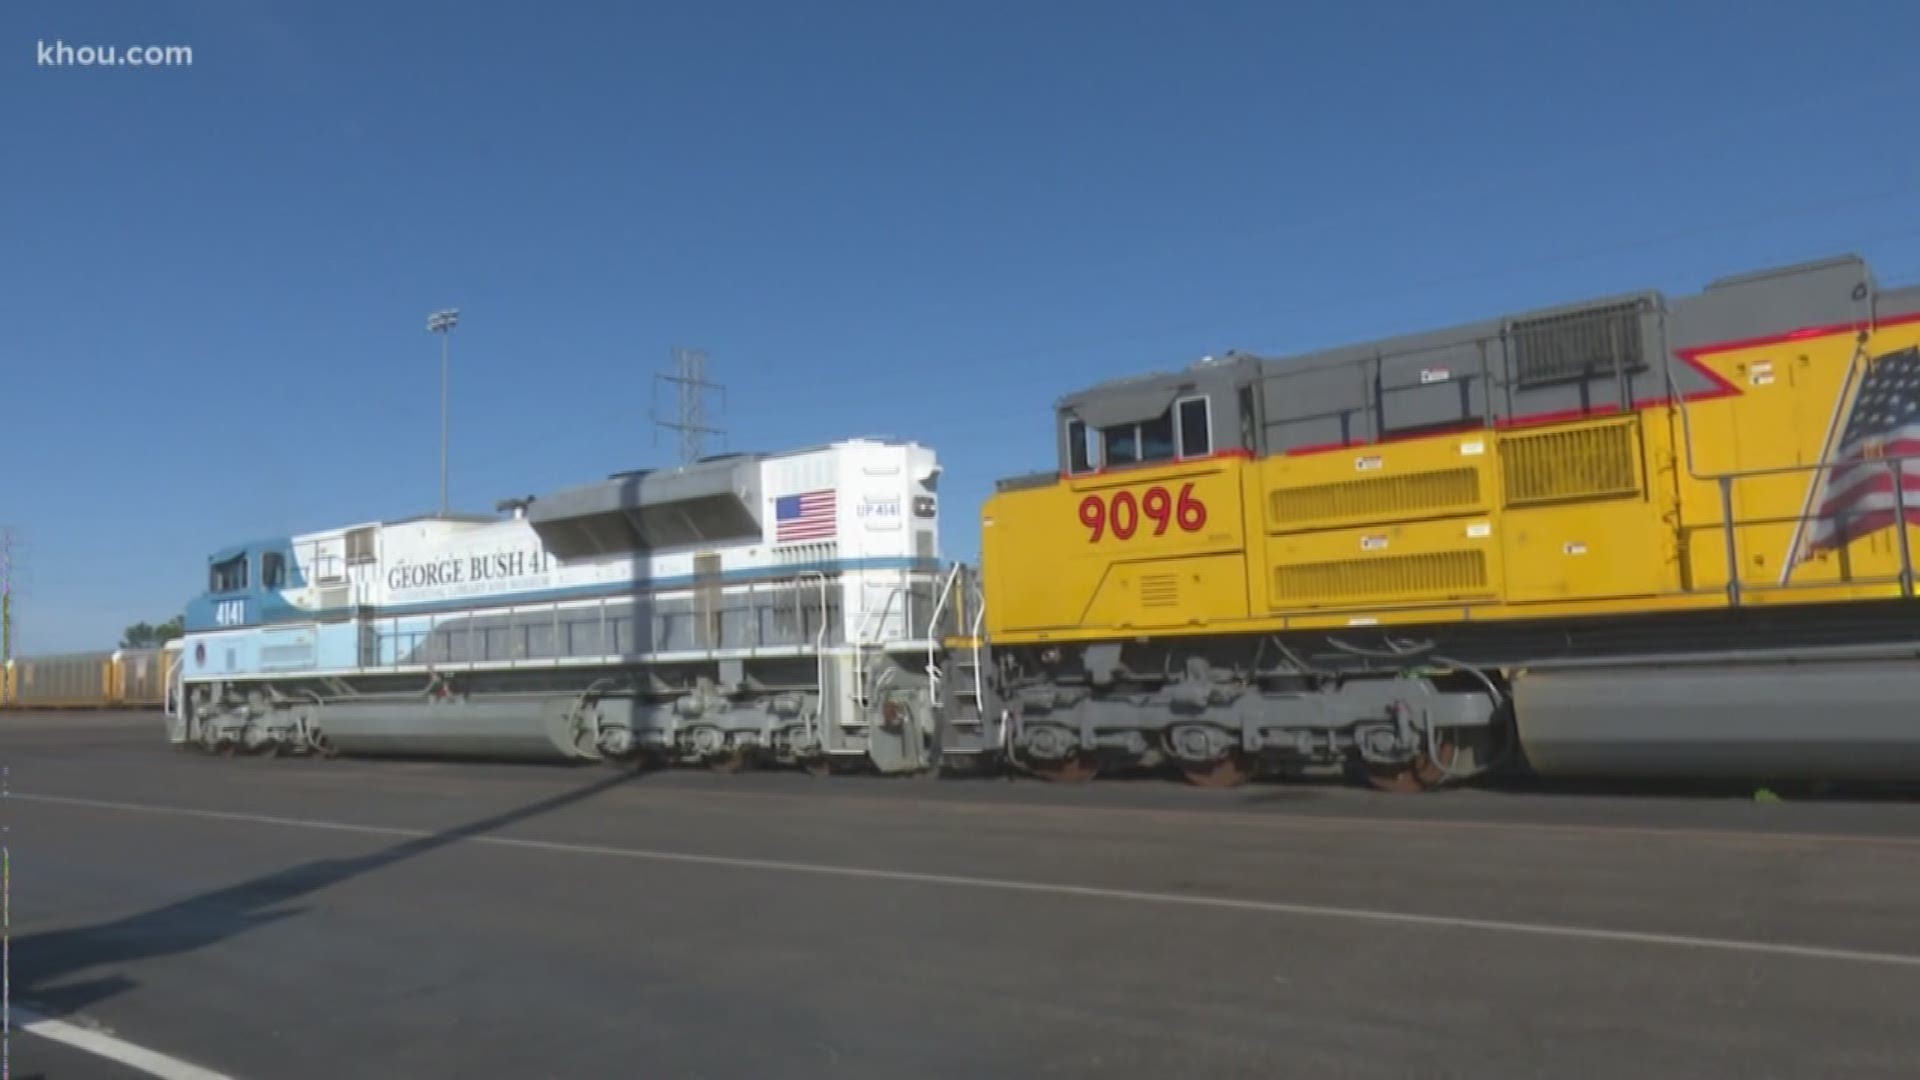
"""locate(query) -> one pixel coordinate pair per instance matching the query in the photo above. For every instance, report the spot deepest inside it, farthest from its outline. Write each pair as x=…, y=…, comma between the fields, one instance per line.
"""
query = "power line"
x=689, y=379
x=1032, y=358
x=1632, y=143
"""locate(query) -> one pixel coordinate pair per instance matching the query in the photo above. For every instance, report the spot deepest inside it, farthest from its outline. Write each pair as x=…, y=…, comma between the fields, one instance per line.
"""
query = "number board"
x=1152, y=511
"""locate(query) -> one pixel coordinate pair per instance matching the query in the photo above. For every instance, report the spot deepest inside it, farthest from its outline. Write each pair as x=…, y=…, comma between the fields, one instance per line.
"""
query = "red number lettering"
x=1124, y=508
x=1121, y=514
x=1157, y=505
x=1093, y=514
x=1192, y=512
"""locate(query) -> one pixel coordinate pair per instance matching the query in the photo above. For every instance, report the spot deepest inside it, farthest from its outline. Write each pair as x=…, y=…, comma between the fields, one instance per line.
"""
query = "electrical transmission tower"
x=689, y=379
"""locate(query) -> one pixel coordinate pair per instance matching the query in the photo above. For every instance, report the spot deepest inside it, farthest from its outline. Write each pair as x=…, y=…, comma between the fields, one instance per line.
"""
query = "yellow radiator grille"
x=1586, y=462
x=1377, y=498
x=1159, y=590
x=1426, y=575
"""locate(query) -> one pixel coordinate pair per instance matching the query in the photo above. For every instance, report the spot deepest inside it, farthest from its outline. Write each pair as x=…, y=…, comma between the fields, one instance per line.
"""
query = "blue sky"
x=926, y=220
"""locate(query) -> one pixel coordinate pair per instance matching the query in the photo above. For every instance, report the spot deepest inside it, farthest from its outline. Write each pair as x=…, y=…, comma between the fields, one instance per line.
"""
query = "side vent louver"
x=1587, y=462
x=1597, y=342
x=1159, y=590
x=1428, y=575
x=1377, y=499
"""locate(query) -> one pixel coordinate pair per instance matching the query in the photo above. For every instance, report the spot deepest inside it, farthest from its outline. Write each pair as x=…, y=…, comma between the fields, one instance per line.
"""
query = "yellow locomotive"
x=1638, y=535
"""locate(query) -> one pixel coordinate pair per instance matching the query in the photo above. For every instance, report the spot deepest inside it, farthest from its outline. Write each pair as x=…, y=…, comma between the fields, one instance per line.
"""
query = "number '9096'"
x=1121, y=513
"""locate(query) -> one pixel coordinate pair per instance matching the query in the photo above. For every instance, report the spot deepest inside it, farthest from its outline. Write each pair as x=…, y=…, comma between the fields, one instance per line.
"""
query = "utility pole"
x=442, y=323
x=690, y=381
x=6, y=604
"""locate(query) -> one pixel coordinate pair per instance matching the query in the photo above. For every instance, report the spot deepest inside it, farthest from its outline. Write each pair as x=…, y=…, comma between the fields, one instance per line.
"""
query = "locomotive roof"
x=1746, y=290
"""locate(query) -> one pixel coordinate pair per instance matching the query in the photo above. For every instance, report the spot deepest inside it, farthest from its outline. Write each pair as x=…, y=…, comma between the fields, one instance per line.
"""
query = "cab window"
x=1156, y=438
x=1196, y=435
x=1080, y=455
x=273, y=569
x=1120, y=444
x=1183, y=431
x=228, y=576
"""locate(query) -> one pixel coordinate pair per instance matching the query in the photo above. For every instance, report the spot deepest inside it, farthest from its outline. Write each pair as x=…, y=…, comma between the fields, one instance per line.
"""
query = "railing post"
x=1733, y=548
x=1900, y=528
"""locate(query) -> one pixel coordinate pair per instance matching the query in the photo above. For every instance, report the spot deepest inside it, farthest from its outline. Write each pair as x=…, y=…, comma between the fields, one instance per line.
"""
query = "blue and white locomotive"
x=782, y=607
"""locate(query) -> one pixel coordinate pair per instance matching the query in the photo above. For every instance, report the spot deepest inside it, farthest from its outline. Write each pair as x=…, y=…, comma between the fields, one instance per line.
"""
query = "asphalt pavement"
x=291, y=918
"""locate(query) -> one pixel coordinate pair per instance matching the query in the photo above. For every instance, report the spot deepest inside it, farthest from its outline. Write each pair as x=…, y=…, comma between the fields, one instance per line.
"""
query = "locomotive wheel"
x=821, y=767
x=1423, y=773
x=732, y=761
x=1225, y=772
x=1077, y=769
x=637, y=763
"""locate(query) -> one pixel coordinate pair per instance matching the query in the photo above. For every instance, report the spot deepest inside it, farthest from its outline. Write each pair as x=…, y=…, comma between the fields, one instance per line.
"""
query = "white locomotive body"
x=784, y=607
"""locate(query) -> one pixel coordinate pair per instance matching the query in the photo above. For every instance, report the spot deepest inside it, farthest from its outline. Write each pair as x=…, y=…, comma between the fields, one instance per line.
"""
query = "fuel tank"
x=523, y=728
x=1828, y=720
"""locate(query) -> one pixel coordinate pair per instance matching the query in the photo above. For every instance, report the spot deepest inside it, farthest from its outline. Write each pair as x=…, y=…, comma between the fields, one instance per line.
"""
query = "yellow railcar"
x=122, y=678
x=73, y=681
x=1636, y=535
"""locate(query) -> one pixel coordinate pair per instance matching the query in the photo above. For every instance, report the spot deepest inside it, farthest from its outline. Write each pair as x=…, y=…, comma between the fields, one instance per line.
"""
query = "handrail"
x=1686, y=430
x=820, y=657
x=171, y=684
x=1735, y=588
x=873, y=619
x=1729, y=524
x=933, y=642
x=863, y=638
x=979, y=679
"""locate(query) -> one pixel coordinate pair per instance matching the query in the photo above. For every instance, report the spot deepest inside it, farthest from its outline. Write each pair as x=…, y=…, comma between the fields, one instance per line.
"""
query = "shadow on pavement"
x=40, y=961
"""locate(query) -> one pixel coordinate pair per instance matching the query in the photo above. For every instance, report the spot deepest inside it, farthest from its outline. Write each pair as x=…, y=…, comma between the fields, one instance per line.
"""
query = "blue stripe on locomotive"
x=271, y=649
x=256, y=630
x=257, y=606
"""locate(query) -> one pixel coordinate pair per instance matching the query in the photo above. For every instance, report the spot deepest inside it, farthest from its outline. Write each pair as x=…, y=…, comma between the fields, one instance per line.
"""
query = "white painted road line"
x=911, y=877
x=151, y=1062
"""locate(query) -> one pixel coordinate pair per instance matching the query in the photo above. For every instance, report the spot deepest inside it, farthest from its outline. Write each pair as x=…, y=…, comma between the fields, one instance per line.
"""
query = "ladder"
x=957, y=660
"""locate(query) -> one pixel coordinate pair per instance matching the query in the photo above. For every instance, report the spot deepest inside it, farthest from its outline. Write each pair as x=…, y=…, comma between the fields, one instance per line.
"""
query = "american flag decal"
x=1882, y=422
x=809, y=515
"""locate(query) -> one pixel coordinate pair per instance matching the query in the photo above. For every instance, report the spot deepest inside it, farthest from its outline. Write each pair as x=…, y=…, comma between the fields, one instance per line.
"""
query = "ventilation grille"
x=1578, y=344
x=1594, y=461
x=1426, y=576
x=286, y=656
x=1378, y=498
x=1159, y=590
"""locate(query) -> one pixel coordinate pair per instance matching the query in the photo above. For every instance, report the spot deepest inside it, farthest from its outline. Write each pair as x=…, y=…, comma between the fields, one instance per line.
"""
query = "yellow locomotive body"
x=1319, y=559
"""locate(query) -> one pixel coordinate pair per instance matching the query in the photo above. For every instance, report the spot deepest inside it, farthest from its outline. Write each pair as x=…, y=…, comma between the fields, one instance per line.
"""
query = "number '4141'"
x=1121, y=512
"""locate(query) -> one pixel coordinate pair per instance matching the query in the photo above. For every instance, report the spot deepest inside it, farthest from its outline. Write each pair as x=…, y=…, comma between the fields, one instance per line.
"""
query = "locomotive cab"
x=1144, y=512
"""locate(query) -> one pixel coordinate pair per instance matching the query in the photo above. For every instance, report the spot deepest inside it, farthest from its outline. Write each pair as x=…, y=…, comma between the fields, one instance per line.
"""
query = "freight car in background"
x=119, y=679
